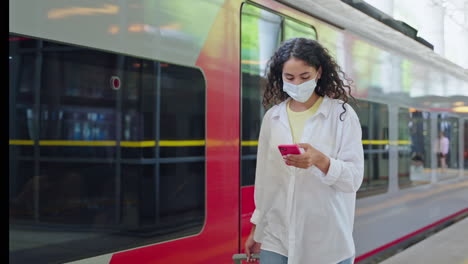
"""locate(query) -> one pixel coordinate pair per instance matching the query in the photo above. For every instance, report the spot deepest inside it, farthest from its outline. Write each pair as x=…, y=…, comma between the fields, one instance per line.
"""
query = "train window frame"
x=37, y=142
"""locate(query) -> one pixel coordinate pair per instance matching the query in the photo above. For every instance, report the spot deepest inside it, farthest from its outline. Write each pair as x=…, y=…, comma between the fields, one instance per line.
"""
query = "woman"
x=305, y=203
x=442, y=148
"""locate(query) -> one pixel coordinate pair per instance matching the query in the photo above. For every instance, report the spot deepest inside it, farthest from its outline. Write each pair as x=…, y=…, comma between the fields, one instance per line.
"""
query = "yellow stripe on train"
x=163, y=143
x=386, y=142
x=110, y=143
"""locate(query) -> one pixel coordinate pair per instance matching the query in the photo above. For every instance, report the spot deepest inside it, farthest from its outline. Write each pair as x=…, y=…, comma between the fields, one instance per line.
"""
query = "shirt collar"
x=281, y=114
x=326, y=106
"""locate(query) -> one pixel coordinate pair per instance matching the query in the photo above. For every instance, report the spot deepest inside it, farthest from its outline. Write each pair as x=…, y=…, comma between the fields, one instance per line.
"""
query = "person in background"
x=442, y=150
x=305, y=203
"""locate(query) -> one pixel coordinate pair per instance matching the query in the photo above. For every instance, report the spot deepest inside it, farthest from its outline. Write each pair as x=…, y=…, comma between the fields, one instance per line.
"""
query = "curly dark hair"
x=314, y=55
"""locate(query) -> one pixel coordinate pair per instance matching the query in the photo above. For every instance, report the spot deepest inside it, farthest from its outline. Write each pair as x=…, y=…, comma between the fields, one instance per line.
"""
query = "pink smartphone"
x=289, y=149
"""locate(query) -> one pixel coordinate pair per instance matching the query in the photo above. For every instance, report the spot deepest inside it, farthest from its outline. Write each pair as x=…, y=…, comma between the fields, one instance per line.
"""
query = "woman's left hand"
x=310, y=157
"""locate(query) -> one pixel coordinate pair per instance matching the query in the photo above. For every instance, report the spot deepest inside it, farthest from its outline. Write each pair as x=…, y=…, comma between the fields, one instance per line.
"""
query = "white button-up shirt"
x=303, y=213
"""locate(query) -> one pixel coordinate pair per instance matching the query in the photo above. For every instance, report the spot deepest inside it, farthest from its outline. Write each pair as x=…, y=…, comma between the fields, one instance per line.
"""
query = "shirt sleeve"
x=347, y=170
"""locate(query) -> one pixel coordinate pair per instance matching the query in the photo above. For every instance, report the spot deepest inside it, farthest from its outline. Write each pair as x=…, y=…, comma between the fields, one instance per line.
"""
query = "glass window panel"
x=260, y=37
x=77, y=102
x=81, y=195
x=139, y=97
x=182, y=199
x=182, y=99
x=104, y=179
x=293, y=29
x=374, y=124
x=379, y=166
x=22, y=42
x=362, y=109
x=405, y=126
x=465, y=150
x=414, y=152
x=22, y=68
x=21, y=190
x=365, y=67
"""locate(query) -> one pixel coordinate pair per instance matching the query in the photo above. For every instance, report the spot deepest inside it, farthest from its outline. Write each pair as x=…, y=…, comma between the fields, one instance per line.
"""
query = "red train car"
x=133, y=126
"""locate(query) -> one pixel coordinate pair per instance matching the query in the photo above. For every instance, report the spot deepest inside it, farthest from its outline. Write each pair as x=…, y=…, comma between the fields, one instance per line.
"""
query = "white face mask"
x=301, y=92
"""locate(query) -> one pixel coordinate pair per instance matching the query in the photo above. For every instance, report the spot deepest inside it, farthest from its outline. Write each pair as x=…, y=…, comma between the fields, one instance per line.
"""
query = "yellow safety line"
x=249, y=143
x=131, y=144
x=404, y=142
x=181, y=143
x=21, y=142
x=386, y=142
x=166, y=143
x=138, y=144
x=103, y=143
x=375, y=142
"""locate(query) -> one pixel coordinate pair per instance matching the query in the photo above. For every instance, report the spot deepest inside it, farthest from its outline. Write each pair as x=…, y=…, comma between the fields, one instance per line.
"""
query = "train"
x=133, y=126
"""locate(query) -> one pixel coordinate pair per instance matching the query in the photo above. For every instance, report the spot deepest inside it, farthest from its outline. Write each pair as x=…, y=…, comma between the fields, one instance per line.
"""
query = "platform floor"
x=448, y=246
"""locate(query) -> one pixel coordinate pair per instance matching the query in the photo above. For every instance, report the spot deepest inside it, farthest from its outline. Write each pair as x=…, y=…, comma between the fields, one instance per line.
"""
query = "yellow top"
x=297, y=120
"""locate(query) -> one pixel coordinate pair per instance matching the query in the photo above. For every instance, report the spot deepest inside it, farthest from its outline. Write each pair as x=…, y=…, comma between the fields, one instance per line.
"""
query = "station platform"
x=448, y=246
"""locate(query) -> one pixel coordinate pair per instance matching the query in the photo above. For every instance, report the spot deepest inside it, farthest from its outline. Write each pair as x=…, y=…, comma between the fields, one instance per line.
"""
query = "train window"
x=98, y=160
x=446, y=146
x=260, y=36
x=293, y=29
x=414, y=147
x=374, y=125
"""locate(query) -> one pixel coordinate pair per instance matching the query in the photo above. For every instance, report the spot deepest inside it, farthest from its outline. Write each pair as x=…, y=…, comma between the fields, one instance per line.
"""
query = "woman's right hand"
x=251, y=246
